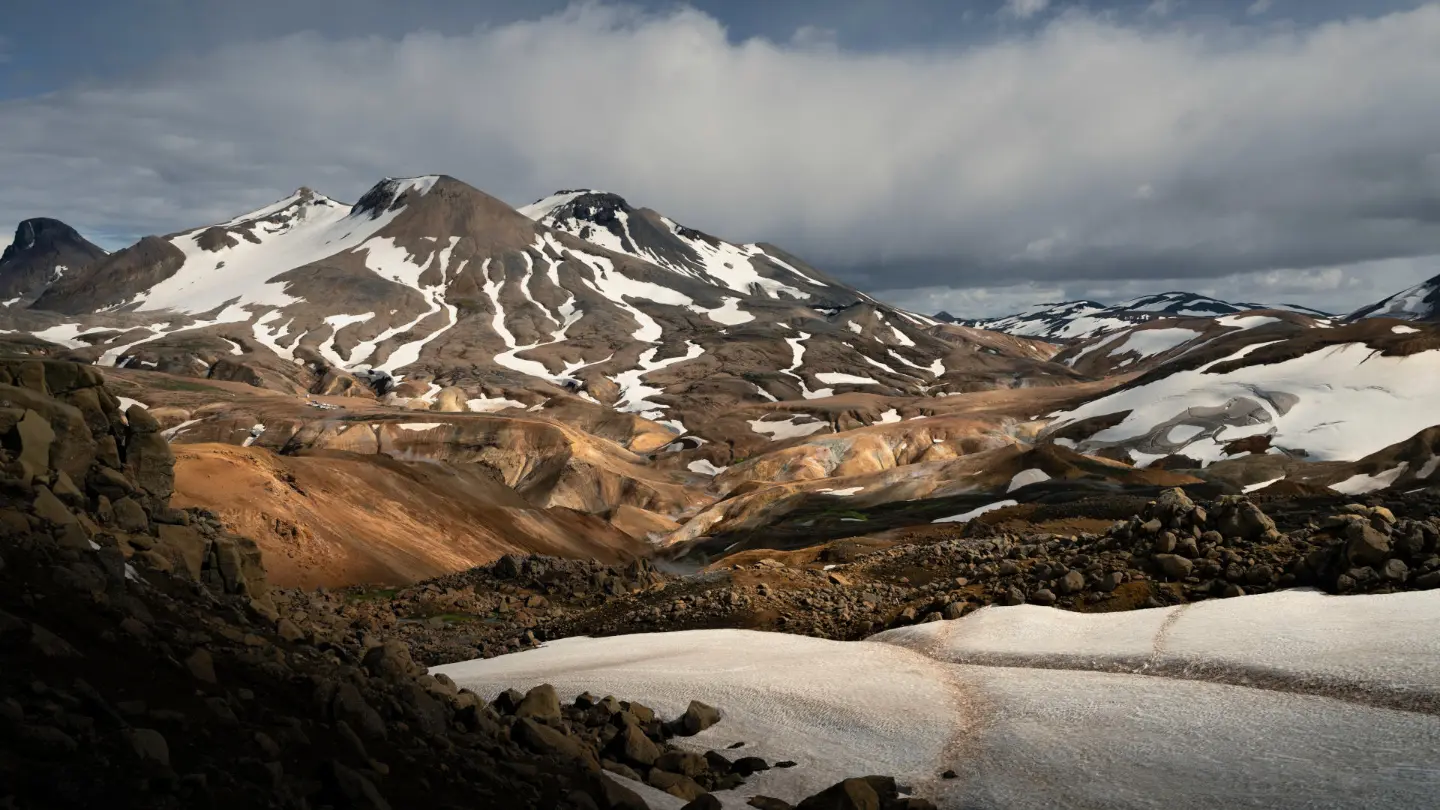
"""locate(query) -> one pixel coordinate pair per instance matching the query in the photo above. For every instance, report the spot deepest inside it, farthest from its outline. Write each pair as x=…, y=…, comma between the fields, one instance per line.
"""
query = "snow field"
x=1008, y=698
x=1337, y=390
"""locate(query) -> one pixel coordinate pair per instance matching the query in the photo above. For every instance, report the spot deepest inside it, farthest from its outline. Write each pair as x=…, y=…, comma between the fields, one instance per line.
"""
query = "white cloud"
x=1259, y=7
x=1260, y=148
x=1024, y=9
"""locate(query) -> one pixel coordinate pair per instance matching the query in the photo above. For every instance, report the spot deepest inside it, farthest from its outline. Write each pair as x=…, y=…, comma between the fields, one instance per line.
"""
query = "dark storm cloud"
x=1071, y=146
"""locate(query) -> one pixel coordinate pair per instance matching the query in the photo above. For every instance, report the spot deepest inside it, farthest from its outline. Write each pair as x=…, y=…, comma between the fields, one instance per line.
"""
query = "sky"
x=976, y=156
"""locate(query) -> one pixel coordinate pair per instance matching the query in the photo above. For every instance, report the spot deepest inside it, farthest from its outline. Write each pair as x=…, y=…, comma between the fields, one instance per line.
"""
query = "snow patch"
x=837, y=378
x=787, y=429
x=1262, y=484
x=491, y=404
x=974, y=513
x=1362, y=483
x=703, y=466
x=1025, y=478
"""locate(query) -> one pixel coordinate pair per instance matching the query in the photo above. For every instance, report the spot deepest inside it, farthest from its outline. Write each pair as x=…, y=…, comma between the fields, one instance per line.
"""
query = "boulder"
x=149, y=746
x=851, y=794
x=675, y=784
x=1238, y=517
x=130, y=515
x=632, y=746
x=150, y=464
x=185, y=548
x=541, y=702
x=698, y=717
x=1364, y=545
x=391, y=661
x=547, y=741
x=1173, y=565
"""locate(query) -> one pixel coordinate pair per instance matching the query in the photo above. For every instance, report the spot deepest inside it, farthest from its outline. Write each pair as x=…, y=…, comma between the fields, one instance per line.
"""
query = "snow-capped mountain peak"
x=1078, y=320
x=1419, y=303
x=608, y=220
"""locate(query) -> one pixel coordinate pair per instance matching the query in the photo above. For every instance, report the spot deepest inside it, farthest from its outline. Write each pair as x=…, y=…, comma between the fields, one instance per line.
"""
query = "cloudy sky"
x=968, y=155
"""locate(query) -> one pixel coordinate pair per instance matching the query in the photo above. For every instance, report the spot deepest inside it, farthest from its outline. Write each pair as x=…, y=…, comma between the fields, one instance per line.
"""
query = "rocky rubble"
x=1174, y=551
x=147, y=663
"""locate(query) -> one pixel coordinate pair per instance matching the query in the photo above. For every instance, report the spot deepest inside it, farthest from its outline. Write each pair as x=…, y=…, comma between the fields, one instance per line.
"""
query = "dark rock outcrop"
x=42, y=251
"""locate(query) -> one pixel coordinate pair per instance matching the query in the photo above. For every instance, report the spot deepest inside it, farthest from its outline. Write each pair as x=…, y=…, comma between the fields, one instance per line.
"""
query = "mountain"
x=430, y=293
x=607, y=220
x=1419, y=303
x=1312, y=394
x=1147, y=344
x=1074, y=320
x=42, y=252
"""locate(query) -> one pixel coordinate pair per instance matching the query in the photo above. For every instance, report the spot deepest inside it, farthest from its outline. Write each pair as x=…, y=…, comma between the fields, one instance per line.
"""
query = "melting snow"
x=729, y=313
x=836, y=378
x=169, y=435
x=787, y=429
x=1145, y=342
x=1262, y=484
x=1155, y=740
x=420, y=425
x=977, y=512
x=490, y=405
x=1336, y=392
x=1026, y=478
x=1362, y=483
x=704, y=467
x=1246, y=321
x=634, y=394
x=1403, y=330
x=242, y=273
x=63, y=334
x=1183, y=433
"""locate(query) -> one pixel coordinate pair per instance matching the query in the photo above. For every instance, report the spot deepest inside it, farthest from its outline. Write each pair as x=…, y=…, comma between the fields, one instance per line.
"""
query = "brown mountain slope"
x=333, y=518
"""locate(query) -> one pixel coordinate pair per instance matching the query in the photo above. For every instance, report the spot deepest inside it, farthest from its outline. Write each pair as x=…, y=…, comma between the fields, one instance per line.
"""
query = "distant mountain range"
x=1077, y=320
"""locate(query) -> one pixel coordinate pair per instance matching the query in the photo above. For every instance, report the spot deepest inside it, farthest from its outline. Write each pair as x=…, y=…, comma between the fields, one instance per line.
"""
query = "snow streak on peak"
x=298, y=200
x=607, y=220
x=387, y=193
x=238, y=264
x=544, y=207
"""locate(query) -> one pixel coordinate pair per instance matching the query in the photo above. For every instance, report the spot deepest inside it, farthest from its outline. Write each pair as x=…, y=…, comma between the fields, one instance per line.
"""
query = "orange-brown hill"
x=331, y=518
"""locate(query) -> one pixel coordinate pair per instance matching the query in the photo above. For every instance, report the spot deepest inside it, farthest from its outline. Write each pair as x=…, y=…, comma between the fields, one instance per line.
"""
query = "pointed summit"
x=43, y=250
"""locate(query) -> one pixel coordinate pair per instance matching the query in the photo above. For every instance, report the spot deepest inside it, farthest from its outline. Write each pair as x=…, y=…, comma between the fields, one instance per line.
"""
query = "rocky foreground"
x=1176, y=551
x=148, y=664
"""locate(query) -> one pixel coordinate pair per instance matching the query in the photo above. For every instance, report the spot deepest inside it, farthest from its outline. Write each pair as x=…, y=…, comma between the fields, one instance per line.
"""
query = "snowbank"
x=1044, y=729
